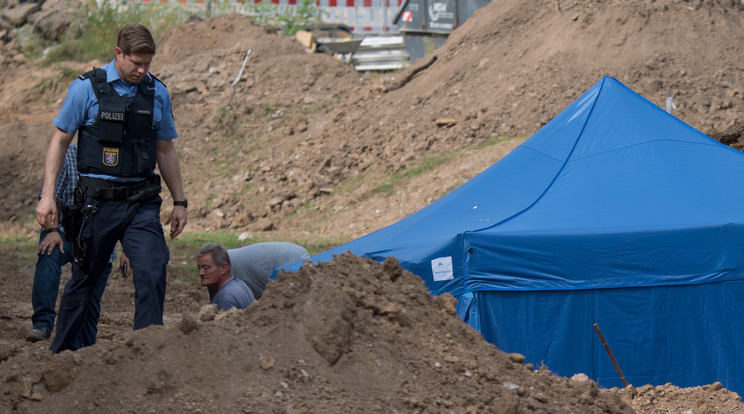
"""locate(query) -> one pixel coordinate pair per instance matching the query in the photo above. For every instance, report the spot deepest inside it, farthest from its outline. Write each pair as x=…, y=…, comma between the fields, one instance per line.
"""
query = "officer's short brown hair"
x=136, y=39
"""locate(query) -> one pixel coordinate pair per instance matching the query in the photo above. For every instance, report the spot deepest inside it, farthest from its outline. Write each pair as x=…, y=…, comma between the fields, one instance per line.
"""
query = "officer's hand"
x=178, y=221
x=46, y=213
x=124, y=266
x=49, y=241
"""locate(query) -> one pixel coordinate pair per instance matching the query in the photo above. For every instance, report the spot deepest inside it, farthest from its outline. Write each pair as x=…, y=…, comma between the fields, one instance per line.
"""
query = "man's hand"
x=49, y=241
x=46, y=212
x=178, y=221
x=124, y=266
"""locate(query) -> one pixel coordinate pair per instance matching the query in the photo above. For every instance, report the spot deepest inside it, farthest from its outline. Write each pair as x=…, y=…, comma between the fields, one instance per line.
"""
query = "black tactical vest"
x=121, y=142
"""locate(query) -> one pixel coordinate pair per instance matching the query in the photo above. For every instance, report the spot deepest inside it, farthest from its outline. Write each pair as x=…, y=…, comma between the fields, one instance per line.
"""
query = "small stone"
x=516, y=358
x=267, y=363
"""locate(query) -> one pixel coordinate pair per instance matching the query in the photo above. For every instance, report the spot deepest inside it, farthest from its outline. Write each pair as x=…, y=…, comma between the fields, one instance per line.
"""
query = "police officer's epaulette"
x=155, y=78
x=98, y=75
x=98, y=79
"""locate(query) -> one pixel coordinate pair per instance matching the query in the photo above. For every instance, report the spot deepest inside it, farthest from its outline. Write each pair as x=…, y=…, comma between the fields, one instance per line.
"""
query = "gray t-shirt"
x=233, y=294
x=254, y=263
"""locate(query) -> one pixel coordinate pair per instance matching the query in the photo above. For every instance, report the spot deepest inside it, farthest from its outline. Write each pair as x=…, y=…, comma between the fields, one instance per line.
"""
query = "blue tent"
x=614, y=213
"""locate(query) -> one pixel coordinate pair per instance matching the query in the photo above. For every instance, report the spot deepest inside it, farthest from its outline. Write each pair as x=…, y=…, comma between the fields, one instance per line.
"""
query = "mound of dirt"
x=352, y=335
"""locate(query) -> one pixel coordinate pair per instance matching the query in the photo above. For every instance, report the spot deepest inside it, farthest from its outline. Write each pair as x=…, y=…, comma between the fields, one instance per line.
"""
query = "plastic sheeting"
x=686, y=335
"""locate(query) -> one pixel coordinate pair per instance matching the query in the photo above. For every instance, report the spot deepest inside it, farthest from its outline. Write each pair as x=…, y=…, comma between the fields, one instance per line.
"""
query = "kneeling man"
x=215, y=272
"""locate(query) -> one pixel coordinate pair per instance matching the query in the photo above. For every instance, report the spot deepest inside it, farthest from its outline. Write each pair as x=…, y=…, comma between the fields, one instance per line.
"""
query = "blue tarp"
x=615, y=213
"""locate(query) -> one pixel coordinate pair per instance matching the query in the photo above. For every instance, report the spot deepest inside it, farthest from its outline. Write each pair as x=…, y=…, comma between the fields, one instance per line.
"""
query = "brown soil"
x=299, y=150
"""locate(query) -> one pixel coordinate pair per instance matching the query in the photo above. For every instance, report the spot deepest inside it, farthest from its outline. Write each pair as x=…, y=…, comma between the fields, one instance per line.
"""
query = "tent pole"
x=612, y=357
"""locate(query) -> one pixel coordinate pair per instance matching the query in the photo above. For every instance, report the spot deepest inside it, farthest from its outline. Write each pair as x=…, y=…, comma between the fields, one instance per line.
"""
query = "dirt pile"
x=352, y=335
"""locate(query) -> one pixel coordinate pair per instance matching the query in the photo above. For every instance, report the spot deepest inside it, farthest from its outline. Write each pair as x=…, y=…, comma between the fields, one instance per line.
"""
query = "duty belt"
x=118, y=191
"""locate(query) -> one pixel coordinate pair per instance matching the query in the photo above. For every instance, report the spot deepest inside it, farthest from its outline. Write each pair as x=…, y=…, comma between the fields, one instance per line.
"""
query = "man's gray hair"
x=218, y=253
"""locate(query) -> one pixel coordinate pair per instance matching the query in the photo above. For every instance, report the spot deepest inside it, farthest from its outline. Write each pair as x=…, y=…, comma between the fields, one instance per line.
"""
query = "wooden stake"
x=612, y=357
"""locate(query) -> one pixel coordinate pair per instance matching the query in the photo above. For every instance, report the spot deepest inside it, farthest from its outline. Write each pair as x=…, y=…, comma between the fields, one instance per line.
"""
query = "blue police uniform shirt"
x=233, y=294
x=81, y=106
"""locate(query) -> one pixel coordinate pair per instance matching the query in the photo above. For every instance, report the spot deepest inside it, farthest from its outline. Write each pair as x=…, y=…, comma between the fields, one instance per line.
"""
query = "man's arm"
x=46, y=209
x=170, y=169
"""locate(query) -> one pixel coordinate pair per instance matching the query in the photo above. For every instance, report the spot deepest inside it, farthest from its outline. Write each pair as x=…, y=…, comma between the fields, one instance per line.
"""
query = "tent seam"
x=706, y=144
x=583, y=128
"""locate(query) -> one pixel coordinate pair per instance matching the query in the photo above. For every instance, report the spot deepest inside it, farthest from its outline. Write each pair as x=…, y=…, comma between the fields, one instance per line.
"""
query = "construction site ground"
x=304, y=148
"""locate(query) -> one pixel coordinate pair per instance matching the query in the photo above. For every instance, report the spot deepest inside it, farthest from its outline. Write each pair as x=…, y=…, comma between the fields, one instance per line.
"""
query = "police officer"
x=123, y=118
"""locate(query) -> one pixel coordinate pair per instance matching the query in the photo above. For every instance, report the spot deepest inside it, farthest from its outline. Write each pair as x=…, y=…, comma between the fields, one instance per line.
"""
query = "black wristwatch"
x=184, y=203
x=54, y=230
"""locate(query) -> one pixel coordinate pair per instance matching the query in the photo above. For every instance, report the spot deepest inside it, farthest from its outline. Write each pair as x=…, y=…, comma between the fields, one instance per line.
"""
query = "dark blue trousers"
x=138, y=228
x=46, y=287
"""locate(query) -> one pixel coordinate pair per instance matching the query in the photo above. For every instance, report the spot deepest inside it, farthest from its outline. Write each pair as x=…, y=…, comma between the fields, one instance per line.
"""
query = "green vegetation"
x=352, y=183
x=269, y=107
x=226, y=121
x=47, y=85
x=17, y=249
x=30, y=42
x=66, y=75
x=210, y=199
x=385, y=189
x=429, y=162
x=309, y=206
x=493, y=140
x=290, y=21
x=323, y=106
x=183, y=249
x=391, y=183
x=193, y=241
x=322, y=245
x=97, y=24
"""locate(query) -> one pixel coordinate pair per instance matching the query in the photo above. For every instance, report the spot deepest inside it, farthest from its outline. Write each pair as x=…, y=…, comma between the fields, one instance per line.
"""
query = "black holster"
x=71, y=218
